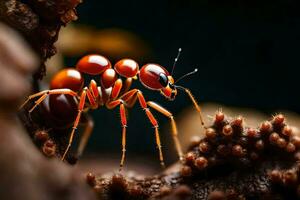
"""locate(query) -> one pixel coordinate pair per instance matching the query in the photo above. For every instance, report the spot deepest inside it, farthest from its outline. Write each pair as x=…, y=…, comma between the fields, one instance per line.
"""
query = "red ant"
x=112, y=93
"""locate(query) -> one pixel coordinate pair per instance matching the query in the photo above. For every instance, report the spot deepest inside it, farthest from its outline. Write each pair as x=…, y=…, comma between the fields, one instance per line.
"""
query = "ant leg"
x=44, y=94
x=85, y=136
x=116, y=89
x=124, y=125
x=77, y=120
x=36, y=103
x=112, y=105
x=91, y=99
x=126, y=86
x=130, y=103
x=93, y=94
x=197, y=107
x=130, y=98
x=94, y=89
x=173, y=124
x=154, y=122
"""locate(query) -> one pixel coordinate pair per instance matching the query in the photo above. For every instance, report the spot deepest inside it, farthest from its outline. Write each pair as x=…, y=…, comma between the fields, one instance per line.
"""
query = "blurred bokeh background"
x=247, y=53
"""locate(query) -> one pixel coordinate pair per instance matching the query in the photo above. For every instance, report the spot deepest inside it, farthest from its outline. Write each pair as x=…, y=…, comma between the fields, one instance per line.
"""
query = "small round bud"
x=237, y=150
x=48, y=151
x=296, y=141
x=275, y=176
x=190, y=157
x=259, y=145
x=290, y=148
x=290, y=177
x=238, y=121
x=252, y=133
x=266, y=127
x=201, y=163
x=210, y=133
x=41, y=136
x=219, y=117
x=273, y=137
x=186, y=171
x=287, y=130
x=278, y=119
x=204, y=147
x=49, y=143
x=227, y=130
x=49, y=148
x=281, y=143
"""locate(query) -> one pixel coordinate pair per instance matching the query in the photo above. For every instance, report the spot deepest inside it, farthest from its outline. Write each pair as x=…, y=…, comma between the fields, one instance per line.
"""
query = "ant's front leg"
x=130, y=98
x=168, y=114
x=196, y=105
x=154, y=122
x=44, y=94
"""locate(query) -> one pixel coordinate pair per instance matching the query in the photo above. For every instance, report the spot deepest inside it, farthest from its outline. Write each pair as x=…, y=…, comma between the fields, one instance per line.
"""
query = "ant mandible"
x=112, y=93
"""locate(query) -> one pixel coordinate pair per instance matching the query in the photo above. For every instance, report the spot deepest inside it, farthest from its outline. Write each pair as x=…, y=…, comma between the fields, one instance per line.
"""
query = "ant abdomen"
x=67, y=78
x=59, y=110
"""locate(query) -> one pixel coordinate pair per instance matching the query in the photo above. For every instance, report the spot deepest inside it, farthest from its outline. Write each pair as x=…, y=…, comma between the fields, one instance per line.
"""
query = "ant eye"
x=163, y=79
x=172, y=86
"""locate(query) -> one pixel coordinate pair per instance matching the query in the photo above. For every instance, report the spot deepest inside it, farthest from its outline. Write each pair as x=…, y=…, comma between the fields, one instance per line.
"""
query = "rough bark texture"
x=25, y=173
x=231, y=162
x=39, y=22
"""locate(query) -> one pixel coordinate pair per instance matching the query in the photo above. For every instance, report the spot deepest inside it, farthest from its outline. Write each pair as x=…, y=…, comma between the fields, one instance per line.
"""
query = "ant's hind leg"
x=43, y=94
x=165, y=112
x=77, y=120
x=85, y=136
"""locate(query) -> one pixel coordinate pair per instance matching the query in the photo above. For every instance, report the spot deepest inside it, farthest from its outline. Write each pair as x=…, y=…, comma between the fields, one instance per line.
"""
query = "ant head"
x=169, y=90
x=156, y=77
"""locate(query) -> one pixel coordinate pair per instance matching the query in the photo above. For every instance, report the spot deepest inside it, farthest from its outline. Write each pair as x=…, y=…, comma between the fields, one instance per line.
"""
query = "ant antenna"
x=176, y=59
x=186, y=75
